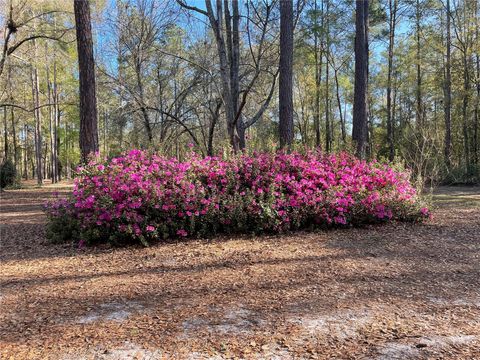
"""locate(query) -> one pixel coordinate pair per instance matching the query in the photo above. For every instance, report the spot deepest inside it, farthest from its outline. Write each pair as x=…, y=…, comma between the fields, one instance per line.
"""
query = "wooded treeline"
x=209, y=73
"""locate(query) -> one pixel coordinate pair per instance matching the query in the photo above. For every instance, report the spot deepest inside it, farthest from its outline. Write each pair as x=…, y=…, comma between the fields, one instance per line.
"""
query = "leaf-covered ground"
x=400, y=291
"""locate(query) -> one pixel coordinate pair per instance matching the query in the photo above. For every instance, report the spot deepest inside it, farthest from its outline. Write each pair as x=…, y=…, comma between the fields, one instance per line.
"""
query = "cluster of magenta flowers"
x=142, y=196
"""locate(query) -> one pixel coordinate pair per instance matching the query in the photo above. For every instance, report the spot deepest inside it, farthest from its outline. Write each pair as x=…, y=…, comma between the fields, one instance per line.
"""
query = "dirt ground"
x=399, y=291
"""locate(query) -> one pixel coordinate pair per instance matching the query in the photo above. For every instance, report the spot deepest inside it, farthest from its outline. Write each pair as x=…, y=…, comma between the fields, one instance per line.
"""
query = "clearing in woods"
x=397, y=291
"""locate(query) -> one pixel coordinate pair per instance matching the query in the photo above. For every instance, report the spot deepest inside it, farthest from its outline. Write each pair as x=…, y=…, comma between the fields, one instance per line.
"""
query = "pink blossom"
x=182, y=232
x=262, y=192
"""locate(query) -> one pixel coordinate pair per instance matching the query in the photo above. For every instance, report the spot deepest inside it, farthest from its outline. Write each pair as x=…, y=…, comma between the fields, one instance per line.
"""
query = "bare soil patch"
x=399, y=291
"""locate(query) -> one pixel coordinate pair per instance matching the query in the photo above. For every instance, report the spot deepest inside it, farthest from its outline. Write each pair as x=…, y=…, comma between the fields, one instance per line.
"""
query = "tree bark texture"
x=86, y=65
x=285, y=75
x=360, y=111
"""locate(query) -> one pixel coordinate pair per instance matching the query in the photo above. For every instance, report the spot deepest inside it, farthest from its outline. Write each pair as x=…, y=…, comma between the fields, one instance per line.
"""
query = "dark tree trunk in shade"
x=360, y=111
x=86, y=65
x=286, y=71
x=477, y=106
x=5, y=133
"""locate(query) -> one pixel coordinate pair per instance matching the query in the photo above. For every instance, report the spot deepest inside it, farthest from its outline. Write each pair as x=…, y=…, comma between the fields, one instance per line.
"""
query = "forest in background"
x=160, y=80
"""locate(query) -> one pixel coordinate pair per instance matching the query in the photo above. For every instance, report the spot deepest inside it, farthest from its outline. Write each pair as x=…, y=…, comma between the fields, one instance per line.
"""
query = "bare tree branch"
x=194, y=8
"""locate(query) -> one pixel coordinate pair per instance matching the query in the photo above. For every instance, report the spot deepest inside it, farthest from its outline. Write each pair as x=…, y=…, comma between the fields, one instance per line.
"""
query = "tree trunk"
x=5, y=134
x=14, y=137
x=419, y=107
x=12, y=118
x=68, y=170
x=240, y=128
x=234, y=71
x=225, y=74
x=318, y=77
x=393, y=5
x=227, y=39
x=25, y=151
x=339, y=102
x=217, y=26
x=56, y=123
x=143, y=109
x=448, y=93
x=57, y=146
x=56, y=118
x=286, y=73
x=51, y=118
x=44, y=161
x=359, y=133
x=477, y=115
x=466, y=90
x=477, y=104
x=328, y=137
x=215, y=114
x=38, y=123
x=86, y=65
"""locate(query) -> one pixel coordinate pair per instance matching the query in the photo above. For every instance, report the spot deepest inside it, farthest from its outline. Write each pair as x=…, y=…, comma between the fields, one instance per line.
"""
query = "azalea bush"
x=143, y=197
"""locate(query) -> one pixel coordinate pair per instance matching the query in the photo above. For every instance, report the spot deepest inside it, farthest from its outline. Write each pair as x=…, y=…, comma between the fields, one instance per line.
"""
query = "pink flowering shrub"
x=142, y=197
